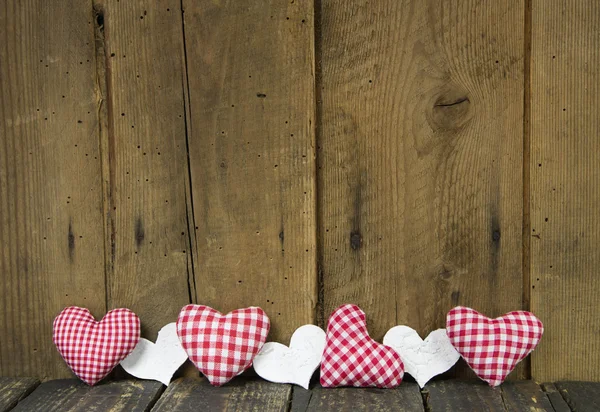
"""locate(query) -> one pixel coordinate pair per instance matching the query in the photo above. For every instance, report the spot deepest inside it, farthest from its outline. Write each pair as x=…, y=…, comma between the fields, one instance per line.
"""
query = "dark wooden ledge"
x=251, y=394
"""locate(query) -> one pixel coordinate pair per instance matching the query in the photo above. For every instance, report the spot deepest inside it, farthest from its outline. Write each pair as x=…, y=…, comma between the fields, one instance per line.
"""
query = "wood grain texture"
x=406, y=397
x=12, y=390
x=70, y=395
x=581, y=396
x=251, y=78
x=457, y=396
x=51, y=223
x=194, y=394
x=147, y=173
x=452, y=395
x=525, y=396
x=556, y=399
x=565, y=188
x=300, y=398
x=420, y=159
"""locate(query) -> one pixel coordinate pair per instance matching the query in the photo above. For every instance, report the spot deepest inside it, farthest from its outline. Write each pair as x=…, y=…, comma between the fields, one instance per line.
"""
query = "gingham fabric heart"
x=493, y=347
x=352, y=358
x=222, y=346
x=91, y=348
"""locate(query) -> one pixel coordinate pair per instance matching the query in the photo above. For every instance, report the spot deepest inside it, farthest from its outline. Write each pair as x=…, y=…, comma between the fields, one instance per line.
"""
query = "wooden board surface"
x=243, y=394
x=466, y=396
x=556, y=399
x=251, y=139
x=194, y=394
x=462, y=396
x=70, y=395
x=12, y=390
x=146, y=164
x=420, y=174
x=525, y=396
x=406, y=397
x=581, y=396
x=51, y=223
x=565, y=188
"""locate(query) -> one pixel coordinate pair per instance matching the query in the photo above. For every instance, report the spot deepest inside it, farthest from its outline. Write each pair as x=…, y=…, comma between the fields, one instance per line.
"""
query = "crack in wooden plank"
x=425, y=396
x=317, y=50
x=189, y=203
x=526, y=246
x=105, y=147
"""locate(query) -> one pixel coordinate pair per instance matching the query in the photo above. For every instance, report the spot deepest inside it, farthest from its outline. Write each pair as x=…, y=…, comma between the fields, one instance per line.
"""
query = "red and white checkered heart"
x=352, y=358
x=91, y=348
x=222, y=346
x=493, y=347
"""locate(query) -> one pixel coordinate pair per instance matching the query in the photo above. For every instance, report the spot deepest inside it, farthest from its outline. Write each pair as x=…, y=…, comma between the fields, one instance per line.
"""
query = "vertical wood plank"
x=251, y=87
x=51, y=223
x=565, y=182
x=146, y=160
x=420, y=161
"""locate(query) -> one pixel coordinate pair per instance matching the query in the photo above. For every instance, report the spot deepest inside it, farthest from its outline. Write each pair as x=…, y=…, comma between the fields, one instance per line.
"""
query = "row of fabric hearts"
x=224, y=346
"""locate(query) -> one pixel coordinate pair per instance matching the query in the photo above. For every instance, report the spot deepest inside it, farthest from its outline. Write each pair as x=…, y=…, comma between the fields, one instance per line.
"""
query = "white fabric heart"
x=296, y=363
x=423, y=359
x=157, y=361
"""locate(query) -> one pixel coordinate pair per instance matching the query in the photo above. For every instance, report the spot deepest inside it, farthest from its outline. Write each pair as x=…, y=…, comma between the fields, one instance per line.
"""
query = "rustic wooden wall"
x=565, y=187
x=51, y=219
x=421, y=158
x=407, y=156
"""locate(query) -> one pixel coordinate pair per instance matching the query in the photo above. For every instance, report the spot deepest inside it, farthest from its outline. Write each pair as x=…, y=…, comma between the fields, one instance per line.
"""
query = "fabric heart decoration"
x=493, y=347
x=157, y=361
x=352, y=358
x=296, y=363
x=222, y=346
x=91, y=348
x=423, y=359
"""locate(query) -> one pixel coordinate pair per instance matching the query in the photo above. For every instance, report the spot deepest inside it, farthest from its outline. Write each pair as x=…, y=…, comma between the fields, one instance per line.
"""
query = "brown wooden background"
x=404, y=155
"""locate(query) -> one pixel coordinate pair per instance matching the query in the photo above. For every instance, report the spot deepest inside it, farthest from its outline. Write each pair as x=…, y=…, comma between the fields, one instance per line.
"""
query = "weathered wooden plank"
x=556, y=399
x=456, y=396
x=581, y=396
x=525, y=396
x=420, y=161
x=515, y=396
x=70, y=395
x=12, y=390
x=251, y=140
x=406, y=397
x=147, y=174
x=300, y=399
x=194, y=394
x=51, y=222
x=565, y=188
